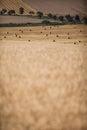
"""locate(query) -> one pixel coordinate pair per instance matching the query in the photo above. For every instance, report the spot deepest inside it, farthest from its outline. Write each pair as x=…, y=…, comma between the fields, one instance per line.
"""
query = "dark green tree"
x=21, y=10
x=45, y=22
x=40, y=14
x=11, y=12
x=61, y=18
x=77, y=18
x=31, y=13
x=69, y=18
x=3, y=11
x=50, y=15
x=85, y=20
x=54, y=17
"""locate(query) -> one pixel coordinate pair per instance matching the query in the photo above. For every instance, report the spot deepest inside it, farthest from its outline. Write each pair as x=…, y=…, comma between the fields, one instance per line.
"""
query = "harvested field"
x=43, y=78
x=61, y=34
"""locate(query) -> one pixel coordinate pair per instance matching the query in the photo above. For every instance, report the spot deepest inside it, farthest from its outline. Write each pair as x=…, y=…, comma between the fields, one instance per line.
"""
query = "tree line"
x=64, y=19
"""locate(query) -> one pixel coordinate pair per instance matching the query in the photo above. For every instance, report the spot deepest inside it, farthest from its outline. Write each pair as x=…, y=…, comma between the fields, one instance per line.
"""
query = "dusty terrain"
x=43, y=78
x=60, y=7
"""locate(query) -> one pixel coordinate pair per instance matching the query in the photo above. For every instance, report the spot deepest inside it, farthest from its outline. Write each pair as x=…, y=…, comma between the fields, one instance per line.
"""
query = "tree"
x=77, y=18
x=11, y=12
x=40, y=14
x=21, y=10
x=69, y=18
x=46, y=22
x=61, y=18
x=31, y=13
x=85, y=20
x=50, y=15
x=3, y=11
x=54, y=17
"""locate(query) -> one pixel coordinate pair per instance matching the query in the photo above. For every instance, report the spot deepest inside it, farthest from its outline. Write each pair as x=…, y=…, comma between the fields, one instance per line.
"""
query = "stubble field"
x=43, y=78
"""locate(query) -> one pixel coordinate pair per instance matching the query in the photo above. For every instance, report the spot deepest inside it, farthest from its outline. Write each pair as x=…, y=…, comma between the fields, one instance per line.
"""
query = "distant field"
x=60, y=7
x=18, y=19
x=43, y=78
x=22, y=20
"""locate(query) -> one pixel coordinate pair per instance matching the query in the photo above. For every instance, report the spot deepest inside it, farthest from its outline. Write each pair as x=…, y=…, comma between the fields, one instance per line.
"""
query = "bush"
x=46, y=22
x=31, y=12
x=50, y=15
x=77, y=19
x=61, y=18
x=3, y=11
x=11, y=12
x=54, y=17
x=21, y=10
x=69, y=18
x=40, y=14
x=85, y=20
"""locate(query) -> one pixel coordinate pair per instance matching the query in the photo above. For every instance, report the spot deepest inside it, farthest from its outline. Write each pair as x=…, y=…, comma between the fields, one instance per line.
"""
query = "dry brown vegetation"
x=43, y=78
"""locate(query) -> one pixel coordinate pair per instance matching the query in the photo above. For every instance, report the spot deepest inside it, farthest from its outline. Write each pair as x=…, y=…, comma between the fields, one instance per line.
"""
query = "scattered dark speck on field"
x=68, y=37
x=54, y=41
x=74, y=42
x=19, y=36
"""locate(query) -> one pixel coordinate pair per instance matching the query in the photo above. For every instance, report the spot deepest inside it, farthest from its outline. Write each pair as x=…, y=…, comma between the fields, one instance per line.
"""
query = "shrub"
x=46, y=22
x=40, y=14
x=69, y=18
x=61, y=18
x=21, y=10
x=77, y=18
x=3, y=11
x=85, y=20
x=11, y=12
x=31, y=12
x=54, y=17
x=50, y=15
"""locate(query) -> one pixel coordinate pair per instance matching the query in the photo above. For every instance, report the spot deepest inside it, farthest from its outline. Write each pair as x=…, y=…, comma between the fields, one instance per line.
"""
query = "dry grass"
x=43, y=83
x=61, y=34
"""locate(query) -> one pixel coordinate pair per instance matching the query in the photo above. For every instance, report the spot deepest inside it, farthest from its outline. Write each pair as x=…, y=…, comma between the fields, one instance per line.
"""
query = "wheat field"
x=59, y=34
x=43, y=78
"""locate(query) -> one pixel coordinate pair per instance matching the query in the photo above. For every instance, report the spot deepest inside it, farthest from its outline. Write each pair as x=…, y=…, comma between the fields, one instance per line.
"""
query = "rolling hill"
x=60, y=7
x=15, y=5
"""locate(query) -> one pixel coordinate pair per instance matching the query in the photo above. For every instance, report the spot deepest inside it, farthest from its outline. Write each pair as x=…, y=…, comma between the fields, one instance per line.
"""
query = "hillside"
x=15, y=4
x=60, y=7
